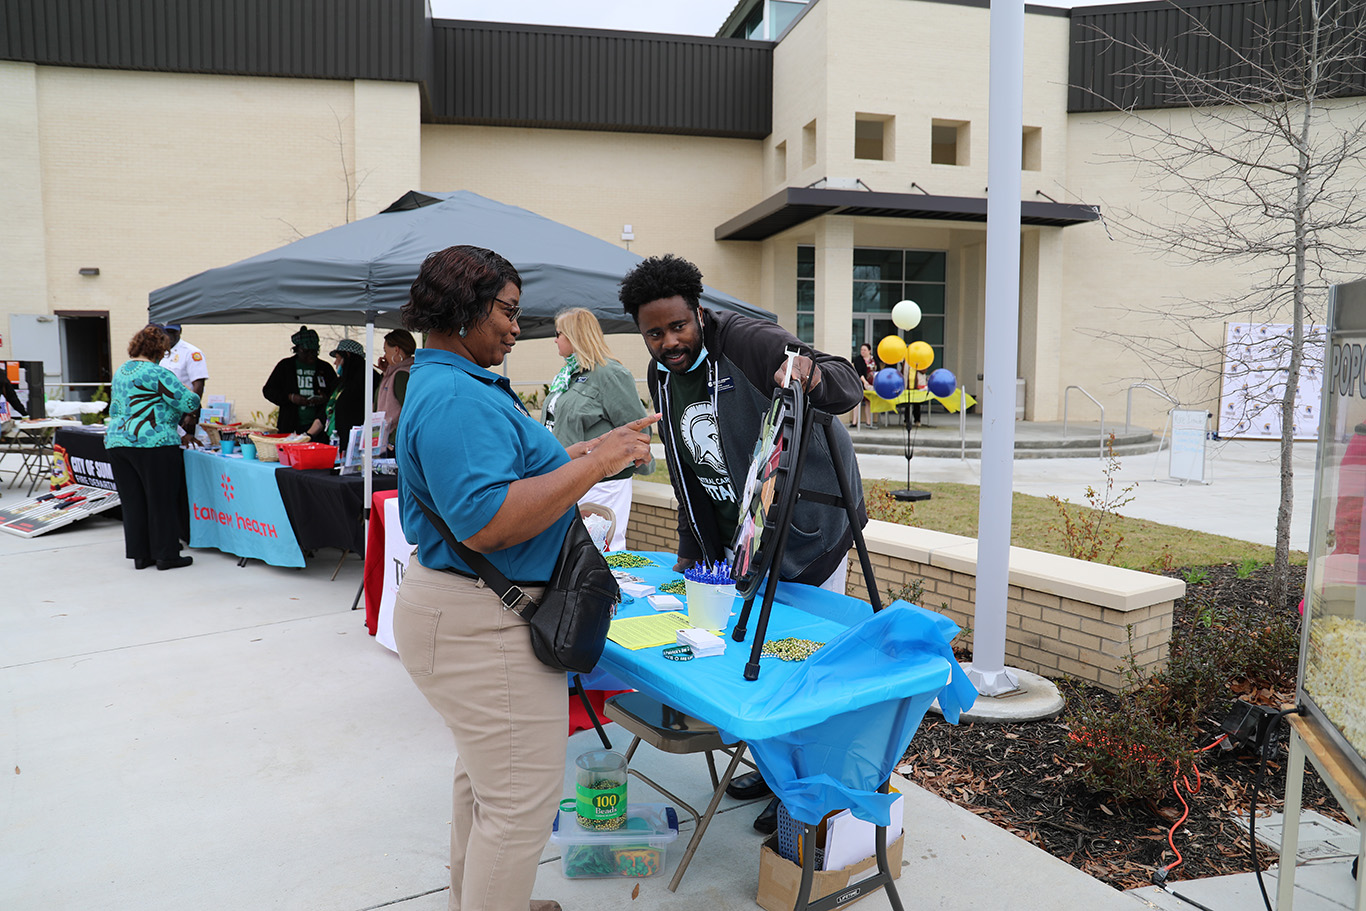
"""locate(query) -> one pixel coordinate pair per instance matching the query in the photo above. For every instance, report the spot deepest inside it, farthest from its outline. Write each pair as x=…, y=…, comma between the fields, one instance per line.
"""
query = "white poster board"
x=1256, y=360
x=397, y=553
x=1188, y=445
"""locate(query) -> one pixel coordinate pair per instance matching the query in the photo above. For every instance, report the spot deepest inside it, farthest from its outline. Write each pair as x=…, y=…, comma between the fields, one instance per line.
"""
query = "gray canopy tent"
x=366, y=267
x=359, y=274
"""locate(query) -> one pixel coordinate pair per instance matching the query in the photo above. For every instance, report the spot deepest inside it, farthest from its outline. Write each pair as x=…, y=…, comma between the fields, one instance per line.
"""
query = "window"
x=780, y=162
x=949, y=142
x=873, y=137
x=806, y=294
x=884, y=277
x=1031, y=150
x=809, y=145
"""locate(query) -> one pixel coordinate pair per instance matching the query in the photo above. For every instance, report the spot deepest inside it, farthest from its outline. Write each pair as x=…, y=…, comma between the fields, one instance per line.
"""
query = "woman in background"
x=146, y=403
x=590, y=395
x=346, y=404
x=865, y=365
x=399, y=346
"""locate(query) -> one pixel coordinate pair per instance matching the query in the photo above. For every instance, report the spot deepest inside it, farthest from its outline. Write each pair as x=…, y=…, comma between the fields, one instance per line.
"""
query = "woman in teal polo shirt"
x=590, y=395
x=507, y=489
x=146, y=403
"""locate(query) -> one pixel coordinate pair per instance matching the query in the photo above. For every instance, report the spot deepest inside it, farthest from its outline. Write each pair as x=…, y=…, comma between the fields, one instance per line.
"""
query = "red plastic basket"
x=308, y=455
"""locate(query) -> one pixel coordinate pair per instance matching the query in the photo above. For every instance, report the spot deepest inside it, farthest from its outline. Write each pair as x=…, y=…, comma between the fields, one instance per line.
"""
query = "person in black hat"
x=300, y=384
x=346, y=404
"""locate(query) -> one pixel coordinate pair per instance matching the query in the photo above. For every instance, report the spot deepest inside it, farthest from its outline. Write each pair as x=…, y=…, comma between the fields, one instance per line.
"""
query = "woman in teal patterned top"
x=146, y=404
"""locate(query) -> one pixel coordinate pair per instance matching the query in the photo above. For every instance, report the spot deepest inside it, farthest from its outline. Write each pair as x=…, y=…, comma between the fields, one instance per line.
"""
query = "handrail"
x=1097, y=404
x=1129, y=400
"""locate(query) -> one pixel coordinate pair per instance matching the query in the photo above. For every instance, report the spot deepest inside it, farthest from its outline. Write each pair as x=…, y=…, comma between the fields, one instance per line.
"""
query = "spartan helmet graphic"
x=701, y=437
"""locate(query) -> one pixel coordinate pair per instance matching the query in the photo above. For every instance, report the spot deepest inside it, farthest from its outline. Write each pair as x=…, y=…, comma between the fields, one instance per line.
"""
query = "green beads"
x=622, y=559
x=790, y=649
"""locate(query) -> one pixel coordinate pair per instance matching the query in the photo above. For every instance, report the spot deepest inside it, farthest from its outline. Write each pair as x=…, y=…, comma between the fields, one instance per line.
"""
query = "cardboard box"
x=779, y=878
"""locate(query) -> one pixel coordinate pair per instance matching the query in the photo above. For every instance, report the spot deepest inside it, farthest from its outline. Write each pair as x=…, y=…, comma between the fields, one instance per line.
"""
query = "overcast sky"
x=679, y=17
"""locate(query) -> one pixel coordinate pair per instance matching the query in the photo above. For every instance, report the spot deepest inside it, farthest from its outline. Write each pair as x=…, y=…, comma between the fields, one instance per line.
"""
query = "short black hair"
x=657, y=278
x=455, y=288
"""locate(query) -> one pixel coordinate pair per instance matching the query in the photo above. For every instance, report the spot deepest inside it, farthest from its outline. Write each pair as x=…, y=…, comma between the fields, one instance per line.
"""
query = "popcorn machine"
x=1330, y=729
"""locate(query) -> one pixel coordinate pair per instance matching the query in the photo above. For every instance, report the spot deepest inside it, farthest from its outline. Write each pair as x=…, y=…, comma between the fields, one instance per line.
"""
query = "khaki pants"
x=509, y=714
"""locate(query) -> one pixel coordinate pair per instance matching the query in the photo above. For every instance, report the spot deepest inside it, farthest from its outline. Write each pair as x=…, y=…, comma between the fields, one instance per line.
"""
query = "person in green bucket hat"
x=300, y=384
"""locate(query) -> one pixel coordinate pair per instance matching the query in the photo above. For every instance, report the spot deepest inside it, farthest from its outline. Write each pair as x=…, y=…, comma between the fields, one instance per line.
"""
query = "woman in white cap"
x=346, y=405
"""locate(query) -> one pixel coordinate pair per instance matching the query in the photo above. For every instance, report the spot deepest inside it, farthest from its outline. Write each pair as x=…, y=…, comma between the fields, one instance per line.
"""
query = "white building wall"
x=1115, y=286
x=152, y=177
x=672, y=190
x=23, y=231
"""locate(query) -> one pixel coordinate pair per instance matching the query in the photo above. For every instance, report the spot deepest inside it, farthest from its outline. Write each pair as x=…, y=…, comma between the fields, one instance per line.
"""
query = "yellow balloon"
x=891, y=350
x=920, y=355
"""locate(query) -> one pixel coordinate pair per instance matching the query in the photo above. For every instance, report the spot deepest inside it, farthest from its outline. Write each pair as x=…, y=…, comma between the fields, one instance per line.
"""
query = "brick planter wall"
x=1065, y=616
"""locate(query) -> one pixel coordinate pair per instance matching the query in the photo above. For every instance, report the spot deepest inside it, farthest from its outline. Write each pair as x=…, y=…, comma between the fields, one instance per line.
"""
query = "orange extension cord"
x=1177, y=781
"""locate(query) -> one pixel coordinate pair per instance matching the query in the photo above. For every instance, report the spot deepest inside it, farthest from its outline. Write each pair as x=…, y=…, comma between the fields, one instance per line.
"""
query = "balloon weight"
x=906, y=315
x=891, y=350
x=920, y=355
x=942, y=382
x=889, y=383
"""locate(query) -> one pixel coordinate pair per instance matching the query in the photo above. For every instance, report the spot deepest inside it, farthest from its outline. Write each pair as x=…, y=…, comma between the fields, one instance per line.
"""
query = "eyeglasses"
x=512, y=311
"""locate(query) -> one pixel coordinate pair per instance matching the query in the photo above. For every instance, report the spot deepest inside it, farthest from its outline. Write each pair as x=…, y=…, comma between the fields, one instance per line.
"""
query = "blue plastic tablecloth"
x=827, y=731
x=235, y=507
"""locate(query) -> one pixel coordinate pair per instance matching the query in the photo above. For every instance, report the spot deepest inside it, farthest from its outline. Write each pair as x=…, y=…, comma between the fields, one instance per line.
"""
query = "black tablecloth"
x=86, y=458
x=326, y=509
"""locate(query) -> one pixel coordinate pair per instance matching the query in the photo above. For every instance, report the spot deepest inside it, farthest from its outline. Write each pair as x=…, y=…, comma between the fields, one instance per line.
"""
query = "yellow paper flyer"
x=650, y=631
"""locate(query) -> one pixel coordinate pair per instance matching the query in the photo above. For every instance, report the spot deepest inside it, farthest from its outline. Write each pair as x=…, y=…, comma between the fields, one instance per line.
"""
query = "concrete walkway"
x=220, y=737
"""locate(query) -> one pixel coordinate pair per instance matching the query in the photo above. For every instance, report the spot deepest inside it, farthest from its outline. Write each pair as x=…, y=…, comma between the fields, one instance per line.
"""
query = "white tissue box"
x=704, y=644
x=665, y=602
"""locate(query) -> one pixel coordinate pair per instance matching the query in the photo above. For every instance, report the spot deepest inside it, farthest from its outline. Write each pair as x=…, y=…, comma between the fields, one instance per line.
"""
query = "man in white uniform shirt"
x=187, y=363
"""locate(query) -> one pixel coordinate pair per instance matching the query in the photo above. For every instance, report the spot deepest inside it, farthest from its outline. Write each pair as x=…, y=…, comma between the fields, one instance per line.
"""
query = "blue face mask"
x=701, y=359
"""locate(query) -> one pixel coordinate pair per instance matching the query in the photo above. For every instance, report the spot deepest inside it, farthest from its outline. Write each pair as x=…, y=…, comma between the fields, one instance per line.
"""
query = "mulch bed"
x=1018, y=776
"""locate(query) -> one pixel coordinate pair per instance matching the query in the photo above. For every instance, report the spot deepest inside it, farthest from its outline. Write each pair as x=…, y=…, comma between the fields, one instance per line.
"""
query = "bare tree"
x=1248, y=154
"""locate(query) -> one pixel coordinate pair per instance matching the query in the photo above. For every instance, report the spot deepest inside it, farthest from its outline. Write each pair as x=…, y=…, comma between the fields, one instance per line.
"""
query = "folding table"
x=826, y=732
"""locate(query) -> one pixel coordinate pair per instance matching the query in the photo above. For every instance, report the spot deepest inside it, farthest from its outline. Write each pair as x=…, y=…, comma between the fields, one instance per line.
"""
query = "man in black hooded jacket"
x=712, y=376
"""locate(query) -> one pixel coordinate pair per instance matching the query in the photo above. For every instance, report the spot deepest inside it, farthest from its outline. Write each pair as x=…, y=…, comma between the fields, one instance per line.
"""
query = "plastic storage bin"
x=640, y=848
x=308, y=455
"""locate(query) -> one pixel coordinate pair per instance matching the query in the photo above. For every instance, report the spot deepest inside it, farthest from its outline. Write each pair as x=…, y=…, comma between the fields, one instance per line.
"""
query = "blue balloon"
x=941, y=382
x=889, y=383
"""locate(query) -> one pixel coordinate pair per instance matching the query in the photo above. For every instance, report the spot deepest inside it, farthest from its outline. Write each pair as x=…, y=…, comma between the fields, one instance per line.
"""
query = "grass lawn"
x=1036, y=524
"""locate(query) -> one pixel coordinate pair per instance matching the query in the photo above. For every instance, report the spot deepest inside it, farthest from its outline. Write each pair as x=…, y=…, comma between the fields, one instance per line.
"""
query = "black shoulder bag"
x=569, y=625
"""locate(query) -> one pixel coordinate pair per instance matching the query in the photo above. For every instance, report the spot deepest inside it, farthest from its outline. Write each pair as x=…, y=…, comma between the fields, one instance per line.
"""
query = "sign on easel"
x=1188, y=445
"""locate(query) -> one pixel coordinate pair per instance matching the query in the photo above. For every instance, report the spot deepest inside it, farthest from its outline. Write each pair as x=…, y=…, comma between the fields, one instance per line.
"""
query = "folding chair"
x=669, y=730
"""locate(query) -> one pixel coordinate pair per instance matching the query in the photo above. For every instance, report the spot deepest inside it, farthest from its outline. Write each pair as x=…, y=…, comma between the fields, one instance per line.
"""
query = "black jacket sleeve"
x=280, y=384
x=757, y=347
x=350, y=409
x=11, y=396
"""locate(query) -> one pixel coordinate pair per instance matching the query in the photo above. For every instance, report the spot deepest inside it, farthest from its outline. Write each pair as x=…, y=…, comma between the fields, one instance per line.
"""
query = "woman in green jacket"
x=590, y=396
x=146, y=403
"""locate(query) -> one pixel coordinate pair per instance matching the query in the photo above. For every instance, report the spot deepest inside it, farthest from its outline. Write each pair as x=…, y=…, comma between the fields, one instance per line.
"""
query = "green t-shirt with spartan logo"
x=699, y=445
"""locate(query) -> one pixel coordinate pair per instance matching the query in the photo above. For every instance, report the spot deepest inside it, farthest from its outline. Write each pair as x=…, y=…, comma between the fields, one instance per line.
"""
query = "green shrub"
x=1092, y=532
x=1196, y=575
x=1123, y=744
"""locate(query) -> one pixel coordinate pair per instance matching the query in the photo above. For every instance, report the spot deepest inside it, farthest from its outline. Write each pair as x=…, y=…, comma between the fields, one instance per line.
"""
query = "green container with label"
x=600, y=790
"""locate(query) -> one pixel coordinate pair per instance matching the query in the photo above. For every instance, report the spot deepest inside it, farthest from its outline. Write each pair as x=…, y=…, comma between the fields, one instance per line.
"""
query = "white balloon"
x=906, y=315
